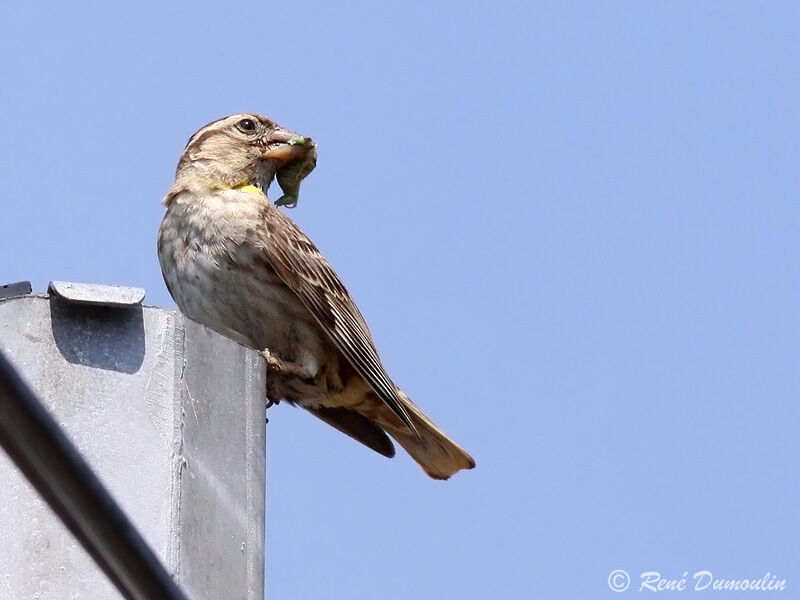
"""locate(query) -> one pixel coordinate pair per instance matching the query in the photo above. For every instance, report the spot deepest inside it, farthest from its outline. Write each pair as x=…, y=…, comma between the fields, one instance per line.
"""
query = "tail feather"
x=438, y=455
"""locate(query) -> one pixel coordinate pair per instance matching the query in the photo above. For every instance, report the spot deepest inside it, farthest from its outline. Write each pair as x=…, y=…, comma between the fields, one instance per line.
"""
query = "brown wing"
x=357, y=426
x=307, y=273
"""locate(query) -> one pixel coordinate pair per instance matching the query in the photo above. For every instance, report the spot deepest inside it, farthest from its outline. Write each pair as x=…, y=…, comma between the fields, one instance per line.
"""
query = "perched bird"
x=237, y=264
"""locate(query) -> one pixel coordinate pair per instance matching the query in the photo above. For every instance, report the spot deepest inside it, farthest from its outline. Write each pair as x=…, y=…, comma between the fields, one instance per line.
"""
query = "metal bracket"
x=20, y=288
x=96, y=294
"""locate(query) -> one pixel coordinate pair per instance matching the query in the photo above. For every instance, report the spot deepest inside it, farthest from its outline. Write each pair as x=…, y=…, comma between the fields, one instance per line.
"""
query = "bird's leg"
x=284, y=367
x=278, y=366
x=273, y=395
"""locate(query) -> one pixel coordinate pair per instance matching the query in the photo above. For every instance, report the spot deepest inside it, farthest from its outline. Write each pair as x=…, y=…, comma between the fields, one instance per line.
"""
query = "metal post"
x=169, y=414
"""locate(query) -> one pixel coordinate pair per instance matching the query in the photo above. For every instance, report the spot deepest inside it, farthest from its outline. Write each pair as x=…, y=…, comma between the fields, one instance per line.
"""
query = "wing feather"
x=307, y=273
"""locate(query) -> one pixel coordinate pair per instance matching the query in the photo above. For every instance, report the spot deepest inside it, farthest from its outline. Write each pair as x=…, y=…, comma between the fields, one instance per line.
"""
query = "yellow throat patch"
x=250, y=189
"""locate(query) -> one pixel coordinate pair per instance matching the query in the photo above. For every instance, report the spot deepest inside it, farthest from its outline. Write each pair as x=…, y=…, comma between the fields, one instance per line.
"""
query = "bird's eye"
x=246, y=125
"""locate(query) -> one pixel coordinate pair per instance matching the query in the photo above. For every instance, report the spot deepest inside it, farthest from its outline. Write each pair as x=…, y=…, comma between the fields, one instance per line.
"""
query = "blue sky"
x=572, y=228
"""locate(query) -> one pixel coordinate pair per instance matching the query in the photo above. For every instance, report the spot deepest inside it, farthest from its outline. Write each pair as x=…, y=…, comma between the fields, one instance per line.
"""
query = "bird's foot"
x=279, y=366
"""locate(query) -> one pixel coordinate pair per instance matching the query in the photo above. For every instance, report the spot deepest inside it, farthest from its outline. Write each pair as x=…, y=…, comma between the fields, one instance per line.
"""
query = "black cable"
x=50, y=461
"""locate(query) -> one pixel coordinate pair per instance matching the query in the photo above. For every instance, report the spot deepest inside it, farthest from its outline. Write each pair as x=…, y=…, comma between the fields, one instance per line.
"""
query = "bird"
x=237, y=264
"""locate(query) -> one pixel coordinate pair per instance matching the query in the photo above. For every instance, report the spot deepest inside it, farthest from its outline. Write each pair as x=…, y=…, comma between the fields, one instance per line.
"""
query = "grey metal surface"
x=95, y=293
x=172, y=418
x=50, y=462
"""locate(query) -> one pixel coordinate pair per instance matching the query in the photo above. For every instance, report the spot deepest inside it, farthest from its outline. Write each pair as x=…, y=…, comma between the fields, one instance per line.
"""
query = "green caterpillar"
x=290, y=176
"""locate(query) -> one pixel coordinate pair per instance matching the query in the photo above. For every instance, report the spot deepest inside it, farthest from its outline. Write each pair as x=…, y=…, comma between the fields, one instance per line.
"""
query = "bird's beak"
x=285, y=146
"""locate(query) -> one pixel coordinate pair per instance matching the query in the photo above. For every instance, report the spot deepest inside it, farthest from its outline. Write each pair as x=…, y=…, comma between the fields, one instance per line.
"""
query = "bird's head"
x=244, y=149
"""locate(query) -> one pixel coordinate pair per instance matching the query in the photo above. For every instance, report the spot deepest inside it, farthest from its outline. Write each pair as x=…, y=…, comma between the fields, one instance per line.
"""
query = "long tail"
x=438, y=455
